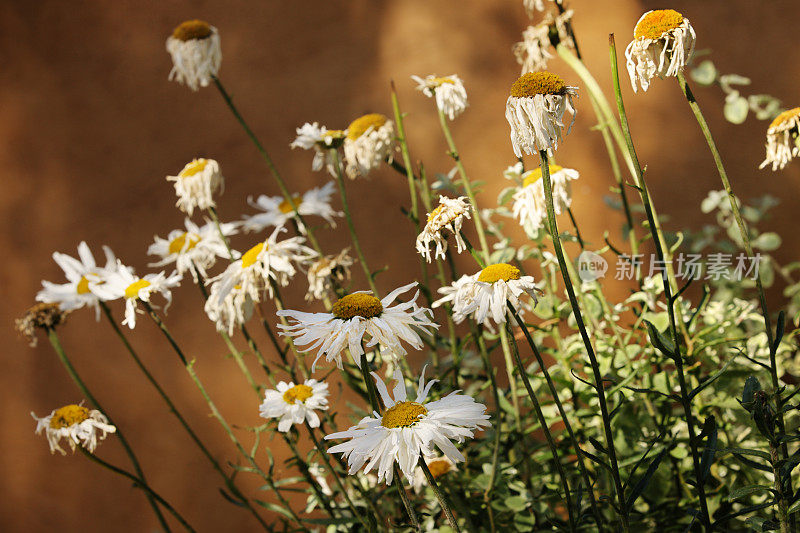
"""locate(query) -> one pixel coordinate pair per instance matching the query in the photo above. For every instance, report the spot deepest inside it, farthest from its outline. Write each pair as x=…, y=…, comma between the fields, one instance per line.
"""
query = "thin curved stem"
x=439, y=495
x=56, y=343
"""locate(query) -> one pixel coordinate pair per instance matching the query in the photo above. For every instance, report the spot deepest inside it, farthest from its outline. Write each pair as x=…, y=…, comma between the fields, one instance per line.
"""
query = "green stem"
x=465, y=181
x=56, y=343
x=139, y=483
x=346, y=208
x=661, y=251
x=273, y=170
x=598, y=377
x=439, y=495
x=174, y=410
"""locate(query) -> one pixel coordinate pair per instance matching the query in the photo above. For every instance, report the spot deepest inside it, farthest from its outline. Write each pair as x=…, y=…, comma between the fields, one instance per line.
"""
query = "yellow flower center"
x=786, y=116
x=536, y=174
x=438, y=82
x=286, y=207
x=298, y=393
x=132, y=291
x=438, y=467
x=176, y=245
x=534, y=83
x=192, y=29
x=359, y=304
x=68, y=416
x=498, y=271
x=195, y=167
x=359, y=126
x=435, y=212
x=655, y=24
x=251, y=256
x=403, y=415
x=83, y=286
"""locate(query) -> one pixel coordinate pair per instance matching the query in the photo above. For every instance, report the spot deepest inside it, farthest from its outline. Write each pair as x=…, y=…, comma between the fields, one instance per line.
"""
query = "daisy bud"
x=663, y=41
x=535, y=111
x=196, y=53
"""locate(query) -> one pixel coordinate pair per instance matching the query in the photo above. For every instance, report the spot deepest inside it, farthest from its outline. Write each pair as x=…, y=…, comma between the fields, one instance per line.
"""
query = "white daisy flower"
x=663, y=42
x=408, y=430
x=196, y=184
x=277, y=211
x=294, y=404
x=83, y=276
x=321, y=140
x=196, y=53
x=449, y=91
x=782, y=139
x=369, y=142
x=193, y=249
x=351, y=318
x=532, y=6
x=79, y=425
x=327, y=272
x=439, y=466
x=123, y=283
x=483, y=295
x=530, y=205
x=245, y=280
x=450, y=215
x=533, y=51
x=535, y=111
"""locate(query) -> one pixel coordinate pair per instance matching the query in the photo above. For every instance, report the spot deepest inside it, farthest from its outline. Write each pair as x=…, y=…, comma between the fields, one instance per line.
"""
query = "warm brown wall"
x=89, y=127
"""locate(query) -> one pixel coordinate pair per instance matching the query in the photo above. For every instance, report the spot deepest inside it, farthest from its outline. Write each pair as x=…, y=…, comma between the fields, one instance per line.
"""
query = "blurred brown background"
x=90, y=126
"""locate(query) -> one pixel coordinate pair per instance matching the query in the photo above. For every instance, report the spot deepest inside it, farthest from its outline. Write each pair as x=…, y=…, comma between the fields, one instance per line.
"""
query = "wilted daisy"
x=322, y=140
x=782, y=139
x=663, y=41
x=196, y=53
x=408, y=430
x=83, y=276
x=354, y=316
x=77, y=424
x=40, y=316
x=196, y=184
x=277, y=211
x=439, y=466
x=245, y=280
x=530, y=205
x=327, y=272
x=294, y=404
x=449, y=215
x=533, y=51
x=369, y=141
x=535, y=111
x=449, y=91
x=123, y=283
x=194, y=249
x=483, y=295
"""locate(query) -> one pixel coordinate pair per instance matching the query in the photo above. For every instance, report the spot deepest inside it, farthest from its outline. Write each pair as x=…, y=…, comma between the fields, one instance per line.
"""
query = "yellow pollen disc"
x=83, y=286
x=435, y=212
x=68, y=416
x=359, y=304
x=438, y=467
x=195, y=167
x=534, y=83
x=176, y=245
x=251, y=255
x=441, y=81
x=299, y=393
x=536, y=175
x=785, y=117
x=403, y=415
x=286, y=207
x=333, y=134
x=655, y=24
x=498, y=271
x=359, y=126
x=192, y=29
x=133, y=289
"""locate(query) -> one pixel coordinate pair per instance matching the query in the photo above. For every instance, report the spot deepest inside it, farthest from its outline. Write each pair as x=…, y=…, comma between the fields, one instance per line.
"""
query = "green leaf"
x=644, y=480
x=659, y=340
x=276, y=508
x=331, y=521
x=516, y=503
x=767, y=241
x=505, y=195
x=712, y=378
x=707, y=459
x=736, y=109
x=751, y=386
x=745, y=491
x=705, y=73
